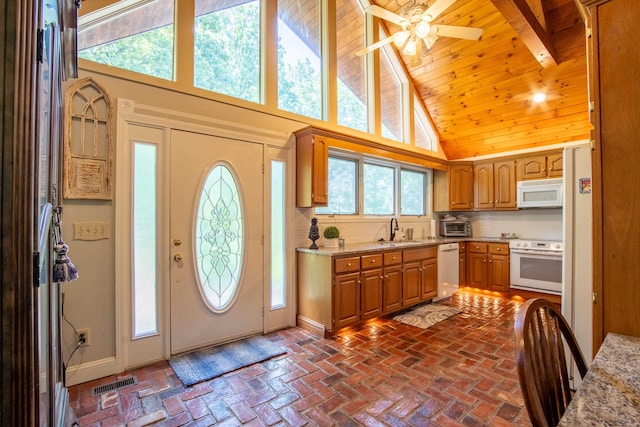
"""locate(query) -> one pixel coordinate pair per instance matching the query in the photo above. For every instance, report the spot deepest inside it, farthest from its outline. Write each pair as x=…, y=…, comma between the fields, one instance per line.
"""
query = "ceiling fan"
x=415, y=20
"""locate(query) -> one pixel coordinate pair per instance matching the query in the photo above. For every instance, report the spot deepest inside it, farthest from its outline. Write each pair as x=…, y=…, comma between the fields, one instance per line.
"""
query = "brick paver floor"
x=460, y=372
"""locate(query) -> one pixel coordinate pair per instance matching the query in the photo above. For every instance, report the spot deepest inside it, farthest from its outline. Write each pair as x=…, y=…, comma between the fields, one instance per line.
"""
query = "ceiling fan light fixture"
x=410, y=48
x=422, y=29
x=400, y=38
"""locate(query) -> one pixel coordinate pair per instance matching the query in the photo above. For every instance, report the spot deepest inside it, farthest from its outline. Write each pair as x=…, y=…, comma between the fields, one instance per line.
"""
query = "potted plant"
x=331, y=234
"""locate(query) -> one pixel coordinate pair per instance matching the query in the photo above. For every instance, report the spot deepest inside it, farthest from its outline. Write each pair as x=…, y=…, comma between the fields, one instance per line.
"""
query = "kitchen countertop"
x=357, y=248
x=610, y=392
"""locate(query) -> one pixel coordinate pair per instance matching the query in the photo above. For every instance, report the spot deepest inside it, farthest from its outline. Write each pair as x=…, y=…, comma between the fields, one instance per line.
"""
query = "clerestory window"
x=233, y=43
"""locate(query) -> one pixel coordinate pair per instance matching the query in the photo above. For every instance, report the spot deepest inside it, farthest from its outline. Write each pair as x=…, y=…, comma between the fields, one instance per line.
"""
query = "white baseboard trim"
x=79, y=374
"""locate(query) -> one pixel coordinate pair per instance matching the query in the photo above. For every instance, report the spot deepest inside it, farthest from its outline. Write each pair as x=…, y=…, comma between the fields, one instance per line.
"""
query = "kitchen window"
x=368, y=186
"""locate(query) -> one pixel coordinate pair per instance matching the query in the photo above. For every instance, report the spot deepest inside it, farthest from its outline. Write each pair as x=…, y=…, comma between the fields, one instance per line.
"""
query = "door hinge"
x=36, y=269
x=594, y=297
x=40, y=46
x=313, y=139
x=592, y=144
x=589, y=32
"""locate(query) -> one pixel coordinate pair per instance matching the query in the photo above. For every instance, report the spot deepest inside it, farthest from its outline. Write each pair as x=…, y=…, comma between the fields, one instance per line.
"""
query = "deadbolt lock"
x=177, y=257
x=177, y=242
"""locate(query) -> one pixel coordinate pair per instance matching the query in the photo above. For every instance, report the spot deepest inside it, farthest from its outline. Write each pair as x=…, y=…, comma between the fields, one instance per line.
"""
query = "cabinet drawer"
x=391, y=258
x=477, y=247
x=346, y=265
x=499, y=248
x=370, y=261
x=420, y=253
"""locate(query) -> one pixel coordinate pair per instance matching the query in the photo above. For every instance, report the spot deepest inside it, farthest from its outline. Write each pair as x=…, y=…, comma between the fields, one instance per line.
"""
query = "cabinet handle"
x=348, y=264
x=490, y=261
x=386, y=276
x=381, y=277
x=393, y=258
x=373, y=261
x=498, y=249
x=484, y=260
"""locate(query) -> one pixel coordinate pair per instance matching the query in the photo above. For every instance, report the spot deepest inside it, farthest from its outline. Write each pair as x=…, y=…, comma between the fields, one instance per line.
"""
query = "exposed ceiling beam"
x=523, y=20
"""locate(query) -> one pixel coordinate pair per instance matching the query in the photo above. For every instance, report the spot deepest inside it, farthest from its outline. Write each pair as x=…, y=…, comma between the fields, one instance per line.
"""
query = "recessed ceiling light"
x=539, y=97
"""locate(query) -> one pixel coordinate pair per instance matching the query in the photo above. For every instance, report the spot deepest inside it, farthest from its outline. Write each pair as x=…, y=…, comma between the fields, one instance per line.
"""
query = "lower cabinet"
x=488, y=266
x=462, y=270
x=392, y=282
x=420, y=275
x=339, y=291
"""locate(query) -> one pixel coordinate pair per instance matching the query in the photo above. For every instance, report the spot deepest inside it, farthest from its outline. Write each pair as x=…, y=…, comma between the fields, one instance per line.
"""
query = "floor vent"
x=113, y=386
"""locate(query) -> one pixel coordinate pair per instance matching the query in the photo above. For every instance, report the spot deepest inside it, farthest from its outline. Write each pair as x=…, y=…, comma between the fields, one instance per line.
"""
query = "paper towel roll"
x=433, y=232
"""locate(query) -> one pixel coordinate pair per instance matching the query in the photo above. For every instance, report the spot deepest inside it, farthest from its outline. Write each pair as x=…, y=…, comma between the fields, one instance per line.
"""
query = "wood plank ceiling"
x=479, y=93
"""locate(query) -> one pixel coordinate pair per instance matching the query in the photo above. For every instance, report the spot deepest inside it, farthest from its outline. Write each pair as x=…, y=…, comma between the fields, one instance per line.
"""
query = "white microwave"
x=540, y=193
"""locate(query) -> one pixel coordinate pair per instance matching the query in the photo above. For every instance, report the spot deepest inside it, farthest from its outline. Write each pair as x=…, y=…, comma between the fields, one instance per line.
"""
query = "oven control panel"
x=536, y=245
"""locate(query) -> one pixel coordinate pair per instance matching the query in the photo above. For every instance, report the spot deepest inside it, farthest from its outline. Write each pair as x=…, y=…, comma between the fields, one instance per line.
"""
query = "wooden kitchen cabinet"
x=495, y=185
x=453, y=189
x=462, y=269
x=371, y=282
x=540, y=166
x=488, y=266
x=420, y=275
x=346, y=305
x=312, y=169
x=392, y=282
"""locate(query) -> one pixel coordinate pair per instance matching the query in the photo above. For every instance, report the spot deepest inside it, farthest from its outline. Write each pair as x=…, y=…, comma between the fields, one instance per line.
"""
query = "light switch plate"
x=91, y=230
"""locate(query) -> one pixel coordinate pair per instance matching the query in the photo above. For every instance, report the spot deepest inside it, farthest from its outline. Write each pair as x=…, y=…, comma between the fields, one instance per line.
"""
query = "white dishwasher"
x=448, y=275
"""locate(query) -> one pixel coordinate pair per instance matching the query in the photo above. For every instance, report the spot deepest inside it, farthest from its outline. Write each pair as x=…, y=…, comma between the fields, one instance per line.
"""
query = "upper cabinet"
x=495, y=185
x=540, y=167
x=453, y=189
x=312, y=157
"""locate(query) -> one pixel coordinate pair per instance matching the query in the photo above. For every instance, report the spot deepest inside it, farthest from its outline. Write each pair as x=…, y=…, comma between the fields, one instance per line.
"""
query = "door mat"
x=427, y=315
x=210, y=362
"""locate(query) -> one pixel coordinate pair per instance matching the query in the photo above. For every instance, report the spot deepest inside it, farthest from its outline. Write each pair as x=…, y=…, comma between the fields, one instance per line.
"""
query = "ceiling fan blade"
x=386, y=15
x=374, y=46
x=469, y=33
x=436, y=9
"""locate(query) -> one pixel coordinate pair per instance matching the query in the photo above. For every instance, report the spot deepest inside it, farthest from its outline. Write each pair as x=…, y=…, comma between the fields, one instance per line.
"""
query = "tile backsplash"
x=542, y=224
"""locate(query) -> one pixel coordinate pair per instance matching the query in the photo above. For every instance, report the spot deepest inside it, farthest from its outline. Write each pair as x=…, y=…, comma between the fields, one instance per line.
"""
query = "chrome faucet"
x=392, y=233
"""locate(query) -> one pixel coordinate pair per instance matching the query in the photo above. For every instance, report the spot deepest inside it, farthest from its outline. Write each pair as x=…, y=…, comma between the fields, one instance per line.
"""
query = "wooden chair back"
x=541, y=362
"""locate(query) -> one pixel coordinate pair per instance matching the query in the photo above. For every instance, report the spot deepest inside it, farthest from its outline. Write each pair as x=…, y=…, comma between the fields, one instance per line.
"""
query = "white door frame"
x=130, y=114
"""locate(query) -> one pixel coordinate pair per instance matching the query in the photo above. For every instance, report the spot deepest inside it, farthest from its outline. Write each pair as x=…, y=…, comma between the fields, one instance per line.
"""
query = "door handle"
x=177, y=257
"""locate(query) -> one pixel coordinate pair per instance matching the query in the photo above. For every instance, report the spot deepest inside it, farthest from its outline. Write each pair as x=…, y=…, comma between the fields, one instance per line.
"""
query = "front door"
x=216, y=240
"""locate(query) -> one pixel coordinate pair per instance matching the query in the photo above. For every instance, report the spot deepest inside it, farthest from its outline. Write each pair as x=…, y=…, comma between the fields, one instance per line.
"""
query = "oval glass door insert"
x=219, y=239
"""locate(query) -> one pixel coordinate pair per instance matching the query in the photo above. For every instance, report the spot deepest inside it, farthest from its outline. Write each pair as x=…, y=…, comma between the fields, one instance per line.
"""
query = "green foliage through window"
x=148, y=53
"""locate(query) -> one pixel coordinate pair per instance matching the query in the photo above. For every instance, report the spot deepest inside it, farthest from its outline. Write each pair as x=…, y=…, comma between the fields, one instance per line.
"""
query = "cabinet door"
x=555, y=166
x=429, y=275
x=498, y=273
x=319, y=180
x=504, y=185
x=483, y=186
x=462, y=269
x=392, y=288
x=461, y=187
x=411, y=283
x=534, y=167
x=346, y=302
x=477, y=270
x=371, y=293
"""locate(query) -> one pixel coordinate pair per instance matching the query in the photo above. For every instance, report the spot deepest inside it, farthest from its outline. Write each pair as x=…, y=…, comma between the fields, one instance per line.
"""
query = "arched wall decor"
x=87, y=143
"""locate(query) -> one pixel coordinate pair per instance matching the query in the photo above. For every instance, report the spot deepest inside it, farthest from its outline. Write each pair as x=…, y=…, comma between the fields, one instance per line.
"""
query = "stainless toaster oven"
x=455, y=228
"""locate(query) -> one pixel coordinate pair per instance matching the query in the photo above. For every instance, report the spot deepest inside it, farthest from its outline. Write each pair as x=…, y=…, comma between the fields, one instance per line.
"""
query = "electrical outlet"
x=84, y=339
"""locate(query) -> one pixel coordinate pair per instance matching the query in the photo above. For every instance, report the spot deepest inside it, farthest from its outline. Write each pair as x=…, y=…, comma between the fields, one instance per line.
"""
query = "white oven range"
x=536, y=265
